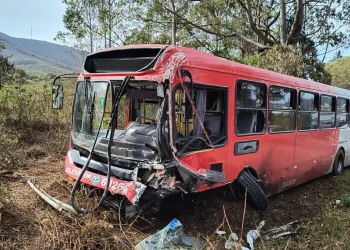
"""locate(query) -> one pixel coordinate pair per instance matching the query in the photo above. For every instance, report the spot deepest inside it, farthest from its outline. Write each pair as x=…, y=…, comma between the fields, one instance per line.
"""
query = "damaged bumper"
x=132, y=190
x=160, y=180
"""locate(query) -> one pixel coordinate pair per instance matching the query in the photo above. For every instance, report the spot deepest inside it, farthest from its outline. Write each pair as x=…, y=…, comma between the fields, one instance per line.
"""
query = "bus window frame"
x=317, y=97
x=347, y=112
x=262, y=109
x=286, y=110
x=207, y=87
x=334, y=108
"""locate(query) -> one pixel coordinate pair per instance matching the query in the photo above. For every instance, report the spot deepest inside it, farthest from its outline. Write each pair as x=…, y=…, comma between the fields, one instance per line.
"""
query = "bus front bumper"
x=132, y=190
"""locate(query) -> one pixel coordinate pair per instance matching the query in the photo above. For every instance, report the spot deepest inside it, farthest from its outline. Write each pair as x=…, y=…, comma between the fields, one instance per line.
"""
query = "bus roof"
x=203, y=60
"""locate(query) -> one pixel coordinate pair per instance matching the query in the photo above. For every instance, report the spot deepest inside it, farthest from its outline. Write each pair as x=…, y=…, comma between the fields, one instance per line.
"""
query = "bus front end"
x=123, y=126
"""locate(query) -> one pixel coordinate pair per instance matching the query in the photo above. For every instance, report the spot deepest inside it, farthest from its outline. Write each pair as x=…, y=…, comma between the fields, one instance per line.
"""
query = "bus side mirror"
x=57, y=97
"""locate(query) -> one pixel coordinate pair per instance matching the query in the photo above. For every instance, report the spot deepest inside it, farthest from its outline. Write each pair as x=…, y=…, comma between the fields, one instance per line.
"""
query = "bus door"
x=282, y=134
x=328, y=132
x=201, y=143
x=309, y=140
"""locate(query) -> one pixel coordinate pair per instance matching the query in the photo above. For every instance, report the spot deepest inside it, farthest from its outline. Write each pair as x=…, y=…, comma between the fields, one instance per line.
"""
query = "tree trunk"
x=173, y=24
x=298, y=23
x=91, y=41
x=283, y=25
x=110, y=22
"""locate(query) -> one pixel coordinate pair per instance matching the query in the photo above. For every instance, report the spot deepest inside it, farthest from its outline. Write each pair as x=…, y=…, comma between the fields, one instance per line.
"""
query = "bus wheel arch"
x=338, y=165
x=247, y=183
x=252, y=171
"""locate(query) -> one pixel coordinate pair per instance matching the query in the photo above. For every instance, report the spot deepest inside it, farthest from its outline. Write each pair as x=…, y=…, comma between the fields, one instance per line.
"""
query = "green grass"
x=329, y=230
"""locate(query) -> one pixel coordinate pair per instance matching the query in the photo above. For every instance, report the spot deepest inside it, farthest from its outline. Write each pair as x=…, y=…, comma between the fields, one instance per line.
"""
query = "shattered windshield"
x=89, y=104
x=138, y=105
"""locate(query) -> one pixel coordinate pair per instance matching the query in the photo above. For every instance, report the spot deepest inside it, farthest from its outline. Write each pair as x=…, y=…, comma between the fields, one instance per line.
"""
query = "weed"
x=346, y=201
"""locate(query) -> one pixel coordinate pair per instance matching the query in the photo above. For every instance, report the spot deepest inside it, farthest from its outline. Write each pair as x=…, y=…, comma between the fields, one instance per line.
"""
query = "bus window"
x=282, y=109
x=327, y=113
x=308, y=111
x=342, y=113
x=250, y=108
x=211, y=106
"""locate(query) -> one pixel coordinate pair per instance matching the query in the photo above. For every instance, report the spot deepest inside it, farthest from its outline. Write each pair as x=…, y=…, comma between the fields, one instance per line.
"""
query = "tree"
x=241, y=30
x=340, y=72
x=93, y=24
x=283, y=59
x=81, y=20
x=6, y=68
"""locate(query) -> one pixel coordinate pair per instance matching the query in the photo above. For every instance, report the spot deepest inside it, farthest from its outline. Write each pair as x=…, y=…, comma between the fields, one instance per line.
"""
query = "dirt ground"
x=27, y=222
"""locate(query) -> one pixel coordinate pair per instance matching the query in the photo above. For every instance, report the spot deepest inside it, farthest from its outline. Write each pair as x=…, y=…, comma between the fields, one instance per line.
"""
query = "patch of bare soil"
x=304, y=202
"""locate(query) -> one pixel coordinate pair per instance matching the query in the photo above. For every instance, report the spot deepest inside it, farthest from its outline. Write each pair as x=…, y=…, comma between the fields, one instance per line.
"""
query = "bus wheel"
x=256, y=197
x=338, y=166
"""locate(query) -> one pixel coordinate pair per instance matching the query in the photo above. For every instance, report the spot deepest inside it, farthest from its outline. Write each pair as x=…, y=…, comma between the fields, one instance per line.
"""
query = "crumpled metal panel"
x=99, y=166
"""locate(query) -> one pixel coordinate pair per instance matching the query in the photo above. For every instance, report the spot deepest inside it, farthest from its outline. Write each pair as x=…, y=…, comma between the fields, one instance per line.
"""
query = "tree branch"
x=248, y=9
x=297, y=26
x=256, y=43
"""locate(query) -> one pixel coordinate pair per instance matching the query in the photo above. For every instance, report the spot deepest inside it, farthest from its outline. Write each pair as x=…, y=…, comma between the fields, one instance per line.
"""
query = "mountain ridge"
x=41, y=57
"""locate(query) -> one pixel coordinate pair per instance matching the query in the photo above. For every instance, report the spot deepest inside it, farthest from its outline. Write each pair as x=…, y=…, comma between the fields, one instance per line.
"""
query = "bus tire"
x=338, y=165
x=256, y=197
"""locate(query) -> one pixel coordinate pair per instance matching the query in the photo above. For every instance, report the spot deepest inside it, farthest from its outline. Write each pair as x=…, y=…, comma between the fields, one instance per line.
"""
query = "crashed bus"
x=149, y=121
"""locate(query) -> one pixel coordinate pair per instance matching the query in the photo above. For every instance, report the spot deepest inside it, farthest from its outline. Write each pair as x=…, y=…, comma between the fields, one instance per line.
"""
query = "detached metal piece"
x=234, y=243
x=55, y=203
x=287, y=229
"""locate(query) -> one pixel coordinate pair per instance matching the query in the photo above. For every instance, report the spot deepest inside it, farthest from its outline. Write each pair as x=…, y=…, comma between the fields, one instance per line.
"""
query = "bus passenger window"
x=282, y=109
x=250, y=108
x=308, y=111
x=342, y=113
x=327, y=113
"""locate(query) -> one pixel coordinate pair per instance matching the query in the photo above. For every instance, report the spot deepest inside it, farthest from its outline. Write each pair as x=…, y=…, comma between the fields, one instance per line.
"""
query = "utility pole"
x=173, y=24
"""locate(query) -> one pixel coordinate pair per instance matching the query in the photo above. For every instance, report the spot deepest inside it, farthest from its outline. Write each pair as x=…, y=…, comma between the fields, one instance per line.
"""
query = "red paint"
x=132, y=190
x=283, y=160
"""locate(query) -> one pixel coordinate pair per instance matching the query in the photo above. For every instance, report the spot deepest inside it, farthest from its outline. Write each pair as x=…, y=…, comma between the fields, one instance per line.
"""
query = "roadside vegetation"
x=33, y=144
x=34, y=138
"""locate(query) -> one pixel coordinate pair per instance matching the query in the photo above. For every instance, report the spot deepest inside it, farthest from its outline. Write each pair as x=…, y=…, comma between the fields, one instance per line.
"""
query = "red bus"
x=149, y=121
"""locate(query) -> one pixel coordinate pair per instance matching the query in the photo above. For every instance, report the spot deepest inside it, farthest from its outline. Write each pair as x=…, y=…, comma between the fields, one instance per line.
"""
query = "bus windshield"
x=94, y=103
x=89, y=104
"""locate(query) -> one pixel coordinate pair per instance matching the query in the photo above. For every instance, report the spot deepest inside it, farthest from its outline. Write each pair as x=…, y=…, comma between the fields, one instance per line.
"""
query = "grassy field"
x=33, y=144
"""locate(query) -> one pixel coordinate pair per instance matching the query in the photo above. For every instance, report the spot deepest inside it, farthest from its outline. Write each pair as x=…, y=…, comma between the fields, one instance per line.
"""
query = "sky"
x=17, y=17
x=44, y=16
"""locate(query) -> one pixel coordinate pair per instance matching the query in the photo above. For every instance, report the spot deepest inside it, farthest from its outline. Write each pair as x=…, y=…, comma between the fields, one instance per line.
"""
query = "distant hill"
x=41, y=57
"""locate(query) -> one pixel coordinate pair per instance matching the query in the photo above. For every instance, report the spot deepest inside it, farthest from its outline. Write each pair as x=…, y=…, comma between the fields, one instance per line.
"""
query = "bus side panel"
x=327, y=145
x=344, y=142
x=275, y=154
x=314, y=153
x=306, y=149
